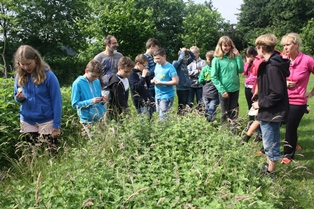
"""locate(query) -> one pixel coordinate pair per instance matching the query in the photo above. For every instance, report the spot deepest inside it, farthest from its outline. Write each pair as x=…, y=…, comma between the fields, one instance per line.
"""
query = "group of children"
x=38, y=90
x=220, y=85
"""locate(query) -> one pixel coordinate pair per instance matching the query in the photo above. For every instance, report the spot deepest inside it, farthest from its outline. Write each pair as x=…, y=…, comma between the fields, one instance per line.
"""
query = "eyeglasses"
x=143, y=65
x=127, y=71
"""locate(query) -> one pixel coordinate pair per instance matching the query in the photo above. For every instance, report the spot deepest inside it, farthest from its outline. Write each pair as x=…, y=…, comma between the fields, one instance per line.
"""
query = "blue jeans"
x=163, y=106
x=211, y=108
x=142, y=110
x=195, y=91
x=271, y=139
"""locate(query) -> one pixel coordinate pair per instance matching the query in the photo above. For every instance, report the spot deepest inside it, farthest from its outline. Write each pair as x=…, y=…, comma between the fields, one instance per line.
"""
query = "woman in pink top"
x=301, y=66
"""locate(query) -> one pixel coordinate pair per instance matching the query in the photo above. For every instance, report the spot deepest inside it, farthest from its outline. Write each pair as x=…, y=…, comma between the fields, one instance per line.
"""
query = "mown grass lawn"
x=299, y=182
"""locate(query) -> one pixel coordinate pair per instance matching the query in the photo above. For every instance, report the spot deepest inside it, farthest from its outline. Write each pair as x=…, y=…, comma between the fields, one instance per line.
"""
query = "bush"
x=9, y=120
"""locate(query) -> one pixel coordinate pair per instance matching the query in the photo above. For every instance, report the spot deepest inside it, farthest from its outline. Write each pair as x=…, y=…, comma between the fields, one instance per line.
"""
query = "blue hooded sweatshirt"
x=42, y=103
x=82, y=96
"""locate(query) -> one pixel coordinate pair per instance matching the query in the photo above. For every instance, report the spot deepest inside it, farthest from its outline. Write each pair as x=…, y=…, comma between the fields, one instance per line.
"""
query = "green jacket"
x=204, y=75
x=225, y=73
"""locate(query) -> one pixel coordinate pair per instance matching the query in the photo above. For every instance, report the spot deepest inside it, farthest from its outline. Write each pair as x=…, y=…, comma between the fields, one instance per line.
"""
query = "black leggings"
x=248, y=96
x=295, y=115
x=229, y=107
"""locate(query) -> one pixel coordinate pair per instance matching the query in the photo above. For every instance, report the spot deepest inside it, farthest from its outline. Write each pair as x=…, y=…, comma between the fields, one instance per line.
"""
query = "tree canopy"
x=68, y=33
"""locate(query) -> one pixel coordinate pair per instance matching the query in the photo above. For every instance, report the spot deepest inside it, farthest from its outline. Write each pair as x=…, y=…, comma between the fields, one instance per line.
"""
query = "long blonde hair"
x=224, y=40
x=38, y=74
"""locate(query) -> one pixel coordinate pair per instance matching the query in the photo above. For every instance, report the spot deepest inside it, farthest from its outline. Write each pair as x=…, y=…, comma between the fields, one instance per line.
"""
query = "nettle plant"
x=184, y=162
x=9, y=120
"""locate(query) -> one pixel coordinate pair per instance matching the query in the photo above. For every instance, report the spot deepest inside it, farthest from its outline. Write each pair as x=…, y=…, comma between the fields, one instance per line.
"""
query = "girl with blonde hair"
x=226, y=66
x=37, y=89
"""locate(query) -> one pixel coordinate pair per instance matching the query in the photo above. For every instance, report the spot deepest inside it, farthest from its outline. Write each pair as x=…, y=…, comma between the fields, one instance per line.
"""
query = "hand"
x=105, y=98
x=290, y=84
x=145, y=72
x=20, y=96
x=308, y=95
x=249, y=59
x=235, y=52
x=254, y=97
x=97, y=100
x=183, y=49
x=157, y=82
x=255, y=105
x=55, y=132
x=225, y=95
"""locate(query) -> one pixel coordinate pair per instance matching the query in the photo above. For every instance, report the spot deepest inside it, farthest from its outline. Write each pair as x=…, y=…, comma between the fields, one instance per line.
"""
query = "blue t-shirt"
x=164, y=73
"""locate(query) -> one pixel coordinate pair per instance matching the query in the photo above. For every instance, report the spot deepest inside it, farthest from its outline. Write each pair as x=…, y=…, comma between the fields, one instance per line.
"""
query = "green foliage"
x=195, y=34
x=184, y=162
x=9, y=120
x=168, y=18
x=307, y=37
x=258, y=17
x=130, y=25
x=146, y=165
x=52, y=27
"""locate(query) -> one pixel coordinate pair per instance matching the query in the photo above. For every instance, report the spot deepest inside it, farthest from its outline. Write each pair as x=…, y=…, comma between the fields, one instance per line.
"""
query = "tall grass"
x=184, y=162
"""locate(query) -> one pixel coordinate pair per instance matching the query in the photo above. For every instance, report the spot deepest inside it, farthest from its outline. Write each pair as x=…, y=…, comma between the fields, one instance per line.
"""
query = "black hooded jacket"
x=119, y=98
x=272, y=89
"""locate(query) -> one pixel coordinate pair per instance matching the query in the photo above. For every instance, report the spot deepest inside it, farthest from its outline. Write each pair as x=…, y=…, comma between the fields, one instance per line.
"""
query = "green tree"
x=123, y=19
x=168, y=20
x=272, y=16
x=203, y=26
x=7, y=23
x=54, y=27
x=307, y=37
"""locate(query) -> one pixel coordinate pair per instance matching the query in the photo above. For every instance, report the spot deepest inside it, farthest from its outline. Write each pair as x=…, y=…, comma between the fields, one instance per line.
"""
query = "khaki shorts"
x=42, y=128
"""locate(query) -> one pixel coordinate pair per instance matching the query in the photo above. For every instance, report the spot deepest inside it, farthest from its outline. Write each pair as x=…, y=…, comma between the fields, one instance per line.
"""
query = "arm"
x=18, y=92
x=119, y=94
x=215, y=77
x=191, y=58
x=277, y=88
x=309, y=94
x=137, y=83
x=246, y=69
x=201, y=78
x=239, y=63
x=178, y=62
x=174, y=81
x=310, y=66
x=56, y=98
x=76, y=100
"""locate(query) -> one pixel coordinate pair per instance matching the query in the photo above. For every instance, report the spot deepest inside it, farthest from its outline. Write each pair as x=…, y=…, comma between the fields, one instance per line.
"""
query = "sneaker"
x=246, y=138
x=271, y=175
x=298, y=148
x=268, y=173
x=286, y=160
x=261, y=151
x=258, y=138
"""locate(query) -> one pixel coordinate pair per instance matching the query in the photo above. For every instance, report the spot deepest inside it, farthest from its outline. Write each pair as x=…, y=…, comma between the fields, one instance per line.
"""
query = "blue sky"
x=227, y=8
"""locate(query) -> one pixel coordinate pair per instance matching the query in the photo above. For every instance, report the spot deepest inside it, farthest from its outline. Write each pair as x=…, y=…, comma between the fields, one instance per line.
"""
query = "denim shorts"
x=271, y=139
x=163, y=106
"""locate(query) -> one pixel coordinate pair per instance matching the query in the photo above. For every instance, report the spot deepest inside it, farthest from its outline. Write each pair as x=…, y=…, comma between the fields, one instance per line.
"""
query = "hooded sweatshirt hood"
x=272, y=89
x=282, y=63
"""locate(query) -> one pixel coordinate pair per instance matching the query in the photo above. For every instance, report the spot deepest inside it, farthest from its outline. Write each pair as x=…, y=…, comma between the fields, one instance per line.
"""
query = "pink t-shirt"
x=300, y=70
